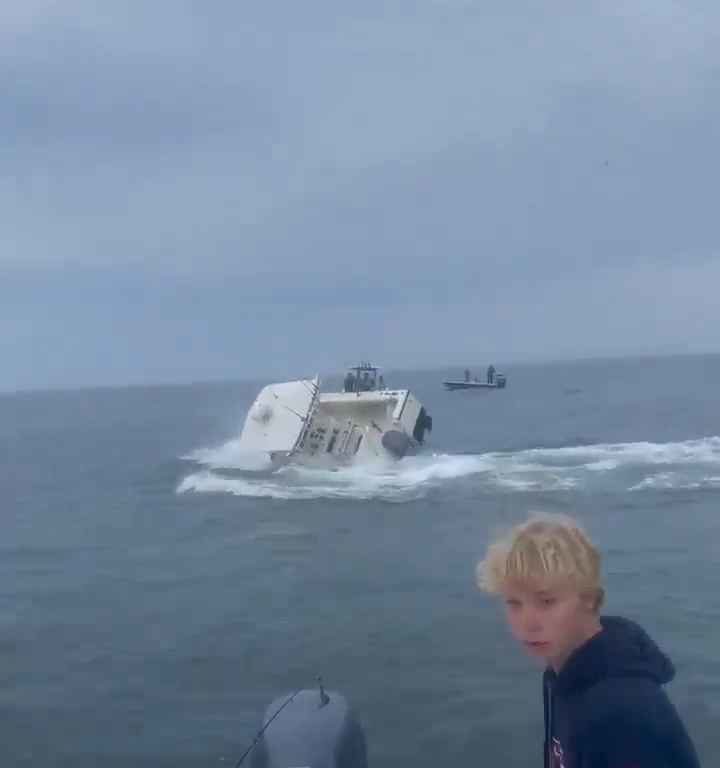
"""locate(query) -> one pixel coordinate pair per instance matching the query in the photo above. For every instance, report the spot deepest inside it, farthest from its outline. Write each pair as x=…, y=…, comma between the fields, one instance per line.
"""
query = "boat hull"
x=461, y=384
x=334, y=428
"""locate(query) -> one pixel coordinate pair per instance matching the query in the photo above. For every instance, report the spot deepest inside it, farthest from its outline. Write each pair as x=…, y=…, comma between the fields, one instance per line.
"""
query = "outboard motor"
x=310, y=729
x=396, y=442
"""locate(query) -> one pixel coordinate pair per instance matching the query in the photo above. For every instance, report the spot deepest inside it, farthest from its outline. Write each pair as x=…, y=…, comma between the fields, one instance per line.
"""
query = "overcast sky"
x=194, y=190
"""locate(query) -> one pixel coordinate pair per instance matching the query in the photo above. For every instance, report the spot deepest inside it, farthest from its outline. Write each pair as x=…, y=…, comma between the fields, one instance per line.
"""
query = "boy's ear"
x=590, y=601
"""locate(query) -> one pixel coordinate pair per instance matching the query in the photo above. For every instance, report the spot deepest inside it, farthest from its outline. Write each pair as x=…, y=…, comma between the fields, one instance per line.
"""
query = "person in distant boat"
x=366, y=382
x=467, y=374
x=604, y=702
x=349, y=382
x=490, y=374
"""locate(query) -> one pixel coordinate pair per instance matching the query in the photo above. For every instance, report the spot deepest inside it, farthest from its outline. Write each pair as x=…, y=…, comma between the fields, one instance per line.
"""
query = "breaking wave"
x=638, y=466
x=229, y=456
x=401, y=481
x=669, y=481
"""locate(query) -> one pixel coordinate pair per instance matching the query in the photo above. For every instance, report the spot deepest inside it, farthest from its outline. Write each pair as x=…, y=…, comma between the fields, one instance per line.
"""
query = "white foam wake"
x=609, y=456
x=690, y=464
x=397, y=481
x=229, y=456
x=674, y=481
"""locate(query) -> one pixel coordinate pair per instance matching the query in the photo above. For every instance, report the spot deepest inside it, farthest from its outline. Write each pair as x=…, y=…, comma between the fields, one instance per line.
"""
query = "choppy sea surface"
x=156, y=595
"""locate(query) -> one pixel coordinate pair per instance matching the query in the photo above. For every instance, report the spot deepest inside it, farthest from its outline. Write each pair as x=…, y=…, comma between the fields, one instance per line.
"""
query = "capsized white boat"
x=294, y=421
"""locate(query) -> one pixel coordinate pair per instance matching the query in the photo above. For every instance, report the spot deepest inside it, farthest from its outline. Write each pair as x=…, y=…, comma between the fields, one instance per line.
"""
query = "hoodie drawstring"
x=548, y=713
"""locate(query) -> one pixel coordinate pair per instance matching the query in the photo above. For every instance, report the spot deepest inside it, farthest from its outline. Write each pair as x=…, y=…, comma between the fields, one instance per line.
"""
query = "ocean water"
x=155, y=595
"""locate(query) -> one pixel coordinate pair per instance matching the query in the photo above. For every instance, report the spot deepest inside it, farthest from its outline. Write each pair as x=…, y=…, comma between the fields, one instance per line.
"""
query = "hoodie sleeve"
x=628, y=753
x=622, y=743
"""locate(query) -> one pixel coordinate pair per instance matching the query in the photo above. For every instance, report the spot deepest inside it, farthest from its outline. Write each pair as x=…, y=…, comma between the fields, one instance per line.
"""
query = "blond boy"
x=604, y=704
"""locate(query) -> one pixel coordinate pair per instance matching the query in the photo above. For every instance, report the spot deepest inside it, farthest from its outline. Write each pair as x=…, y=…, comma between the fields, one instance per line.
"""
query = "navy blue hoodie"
x=607, y=708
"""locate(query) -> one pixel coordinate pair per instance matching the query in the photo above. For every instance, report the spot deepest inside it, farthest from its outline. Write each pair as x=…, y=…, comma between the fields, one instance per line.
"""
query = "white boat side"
x=277, y=420
x=294, y=421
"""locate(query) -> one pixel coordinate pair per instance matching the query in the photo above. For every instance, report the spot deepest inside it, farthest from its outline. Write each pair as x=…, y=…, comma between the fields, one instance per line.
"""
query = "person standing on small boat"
x=490, y=374
x=604, y=702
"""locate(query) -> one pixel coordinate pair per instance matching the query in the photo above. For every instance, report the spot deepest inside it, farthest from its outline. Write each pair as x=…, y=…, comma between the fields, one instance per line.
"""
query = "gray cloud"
x=317, y=166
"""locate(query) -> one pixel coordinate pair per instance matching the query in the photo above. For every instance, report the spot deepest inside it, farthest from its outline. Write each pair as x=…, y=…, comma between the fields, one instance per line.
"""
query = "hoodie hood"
x=622, y=649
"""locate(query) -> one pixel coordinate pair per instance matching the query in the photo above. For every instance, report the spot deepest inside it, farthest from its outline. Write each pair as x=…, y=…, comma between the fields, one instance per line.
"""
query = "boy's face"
x=549, y=621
